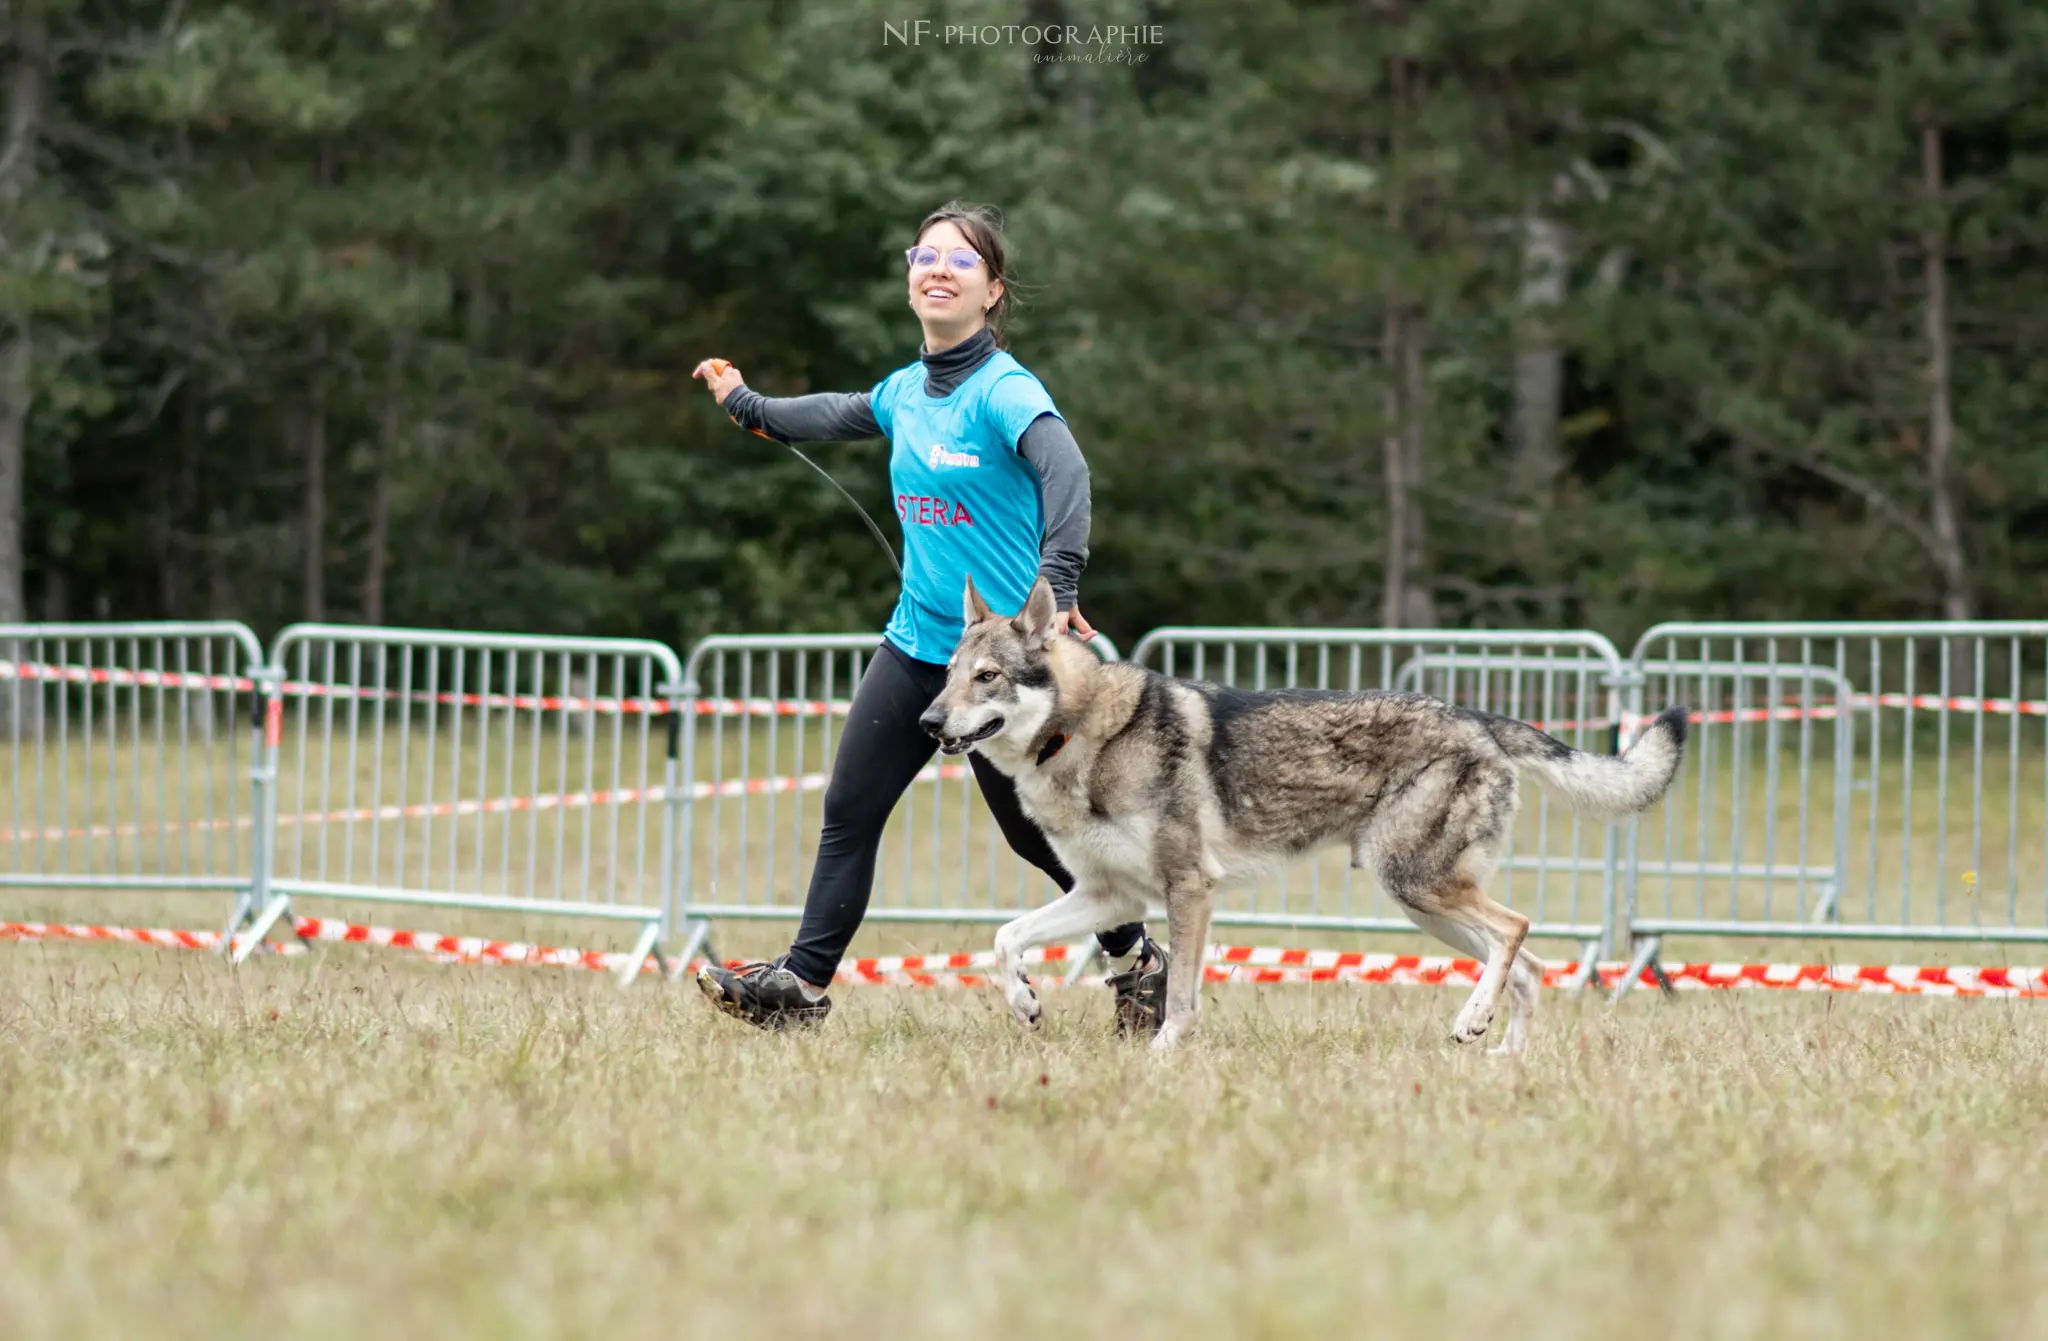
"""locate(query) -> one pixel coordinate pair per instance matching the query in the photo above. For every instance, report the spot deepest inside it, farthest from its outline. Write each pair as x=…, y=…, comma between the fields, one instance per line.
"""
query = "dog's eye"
x=988, y=677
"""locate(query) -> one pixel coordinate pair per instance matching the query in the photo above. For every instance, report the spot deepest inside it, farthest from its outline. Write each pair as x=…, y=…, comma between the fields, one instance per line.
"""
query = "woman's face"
x=944, y=294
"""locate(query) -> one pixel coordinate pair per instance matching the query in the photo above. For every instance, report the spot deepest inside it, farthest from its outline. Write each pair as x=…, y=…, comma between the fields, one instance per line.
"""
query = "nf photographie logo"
x=1103, y=43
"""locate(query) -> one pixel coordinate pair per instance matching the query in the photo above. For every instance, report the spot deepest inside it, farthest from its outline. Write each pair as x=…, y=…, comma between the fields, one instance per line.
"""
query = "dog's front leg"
x=1077, y=913
x=1188, y=898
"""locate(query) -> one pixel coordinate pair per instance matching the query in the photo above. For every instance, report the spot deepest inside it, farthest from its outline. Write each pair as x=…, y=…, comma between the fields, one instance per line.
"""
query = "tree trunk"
x=1394, y=596
x=30, y=39
x=1405, y=602
x=476, y=310
x=1419, y=591
x=168, y=468
x=15, y=358
x=1941, y=428
x=59, y=533
x=222, y=598
x=312, y=425
x=1539, y=362
x=582, y=144
x=20, y=701
x=380, y=501
x=1394, y=591
x=315, y=423
x=183, y=506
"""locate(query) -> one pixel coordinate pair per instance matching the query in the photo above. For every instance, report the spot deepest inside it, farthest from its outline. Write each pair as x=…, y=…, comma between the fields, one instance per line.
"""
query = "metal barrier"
x=1920, y=849
x=125, y=766
x=498, y=772
x=762, y=719
x=1879, y=781
x=1697, y=682
x=1562, y=871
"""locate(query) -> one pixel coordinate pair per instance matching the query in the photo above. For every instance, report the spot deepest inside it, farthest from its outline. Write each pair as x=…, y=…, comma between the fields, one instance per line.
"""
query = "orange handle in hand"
x=719, y=368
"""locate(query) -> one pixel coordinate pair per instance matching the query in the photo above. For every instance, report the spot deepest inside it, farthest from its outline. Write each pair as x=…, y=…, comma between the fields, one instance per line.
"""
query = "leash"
x=720, y=366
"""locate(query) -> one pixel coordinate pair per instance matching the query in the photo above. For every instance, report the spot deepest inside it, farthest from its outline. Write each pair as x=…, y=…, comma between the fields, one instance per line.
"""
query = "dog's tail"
x=1601, y=786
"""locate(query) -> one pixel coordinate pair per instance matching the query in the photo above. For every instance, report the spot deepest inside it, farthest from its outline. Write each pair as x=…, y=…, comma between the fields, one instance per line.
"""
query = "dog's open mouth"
x=961, y=744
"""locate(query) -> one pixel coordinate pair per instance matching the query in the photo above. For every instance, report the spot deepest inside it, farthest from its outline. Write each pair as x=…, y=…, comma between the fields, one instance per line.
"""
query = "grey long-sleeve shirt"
x=839, y=416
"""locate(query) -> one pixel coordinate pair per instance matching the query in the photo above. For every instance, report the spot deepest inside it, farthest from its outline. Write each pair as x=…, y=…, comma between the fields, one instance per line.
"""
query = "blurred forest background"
x=1457, y=312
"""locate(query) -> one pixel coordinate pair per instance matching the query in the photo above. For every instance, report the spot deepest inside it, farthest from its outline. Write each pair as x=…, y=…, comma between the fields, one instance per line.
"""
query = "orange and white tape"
x=1268, y=965
x=156, y=936
x=604, y=706
x=779, y=707
x=1225, y=963
x=495, y=805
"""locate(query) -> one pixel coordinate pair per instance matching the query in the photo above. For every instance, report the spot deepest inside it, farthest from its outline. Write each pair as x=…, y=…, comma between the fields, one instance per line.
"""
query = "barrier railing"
x=1856, y=781
x=535, y=775
x=1560, y=870
x=1933, y=802
x=762, y=718
x=132, y=757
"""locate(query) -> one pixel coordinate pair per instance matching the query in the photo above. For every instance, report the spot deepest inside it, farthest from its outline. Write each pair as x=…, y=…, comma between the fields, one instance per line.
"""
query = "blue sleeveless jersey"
x=969, y=504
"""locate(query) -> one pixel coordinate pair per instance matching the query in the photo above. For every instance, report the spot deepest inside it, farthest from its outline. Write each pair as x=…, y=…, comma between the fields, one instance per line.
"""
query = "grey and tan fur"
x=1152, y=788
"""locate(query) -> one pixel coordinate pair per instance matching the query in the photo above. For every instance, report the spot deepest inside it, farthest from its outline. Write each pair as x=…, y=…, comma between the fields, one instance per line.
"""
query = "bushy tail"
x=1601, y=786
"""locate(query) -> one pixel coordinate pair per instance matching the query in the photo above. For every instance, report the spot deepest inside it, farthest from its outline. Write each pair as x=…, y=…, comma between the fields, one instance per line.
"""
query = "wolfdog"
x=1154, y=788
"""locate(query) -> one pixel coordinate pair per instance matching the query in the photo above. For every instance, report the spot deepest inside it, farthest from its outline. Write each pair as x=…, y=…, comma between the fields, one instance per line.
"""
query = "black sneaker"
x=766, y=995
x=1141, y=992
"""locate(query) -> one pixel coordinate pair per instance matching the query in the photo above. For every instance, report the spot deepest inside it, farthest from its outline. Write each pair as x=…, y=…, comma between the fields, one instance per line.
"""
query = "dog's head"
x=999, y=684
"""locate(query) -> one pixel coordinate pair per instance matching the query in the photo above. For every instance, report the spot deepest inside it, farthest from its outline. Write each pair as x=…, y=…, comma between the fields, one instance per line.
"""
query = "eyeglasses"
x=924, y=258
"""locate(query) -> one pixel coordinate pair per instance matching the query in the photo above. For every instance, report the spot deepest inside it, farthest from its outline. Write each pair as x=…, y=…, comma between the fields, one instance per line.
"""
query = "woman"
x=988, y=480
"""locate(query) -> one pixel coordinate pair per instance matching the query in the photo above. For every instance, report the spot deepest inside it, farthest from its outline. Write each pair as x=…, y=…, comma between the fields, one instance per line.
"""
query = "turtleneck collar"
x=947, y=369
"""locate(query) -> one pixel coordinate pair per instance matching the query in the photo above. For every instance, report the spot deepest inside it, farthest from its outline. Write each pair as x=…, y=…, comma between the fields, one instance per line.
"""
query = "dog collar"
x=1052, y=747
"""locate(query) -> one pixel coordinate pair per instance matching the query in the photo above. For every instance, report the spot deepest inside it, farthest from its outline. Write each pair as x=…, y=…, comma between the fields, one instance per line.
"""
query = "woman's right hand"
x=721, y=377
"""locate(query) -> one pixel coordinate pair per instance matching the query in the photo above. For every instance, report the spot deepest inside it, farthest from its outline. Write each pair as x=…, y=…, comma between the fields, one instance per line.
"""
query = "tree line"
x=1411, y=312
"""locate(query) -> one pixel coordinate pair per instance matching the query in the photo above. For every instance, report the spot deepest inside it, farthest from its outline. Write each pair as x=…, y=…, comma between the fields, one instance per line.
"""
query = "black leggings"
x=881, y=751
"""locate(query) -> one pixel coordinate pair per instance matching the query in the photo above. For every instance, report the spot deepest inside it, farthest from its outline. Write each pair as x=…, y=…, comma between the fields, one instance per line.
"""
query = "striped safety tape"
x=496, y=805
x=1225, y=963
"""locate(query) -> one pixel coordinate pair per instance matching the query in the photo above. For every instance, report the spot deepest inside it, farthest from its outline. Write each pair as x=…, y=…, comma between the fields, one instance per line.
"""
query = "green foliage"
x=484, y=247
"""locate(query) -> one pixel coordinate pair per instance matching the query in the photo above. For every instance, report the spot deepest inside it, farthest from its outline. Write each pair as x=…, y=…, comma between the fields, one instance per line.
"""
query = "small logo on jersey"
x=939, y=456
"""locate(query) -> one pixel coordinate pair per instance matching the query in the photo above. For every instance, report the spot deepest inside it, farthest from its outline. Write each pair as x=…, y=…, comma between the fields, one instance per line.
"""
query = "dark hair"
x=984, y=230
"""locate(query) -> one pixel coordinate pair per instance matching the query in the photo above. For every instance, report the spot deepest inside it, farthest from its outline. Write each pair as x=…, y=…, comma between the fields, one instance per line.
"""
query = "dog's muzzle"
x=934, y=724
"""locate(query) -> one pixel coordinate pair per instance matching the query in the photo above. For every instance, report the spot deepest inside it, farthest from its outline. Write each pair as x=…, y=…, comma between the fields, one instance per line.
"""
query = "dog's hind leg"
x=1454, y=908
x=1502, y=930
x=1433, y=848
x=1188, y=905
x=1525, y=980
x=1524, y=977
x=1076, y=913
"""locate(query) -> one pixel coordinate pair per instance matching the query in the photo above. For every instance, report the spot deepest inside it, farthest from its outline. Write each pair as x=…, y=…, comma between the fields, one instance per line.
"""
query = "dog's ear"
x=976, y=609
x=1034, y=621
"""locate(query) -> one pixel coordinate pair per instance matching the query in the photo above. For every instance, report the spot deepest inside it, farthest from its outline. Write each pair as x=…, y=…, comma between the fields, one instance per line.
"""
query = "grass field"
x=349, y=1144
x=360, y=1145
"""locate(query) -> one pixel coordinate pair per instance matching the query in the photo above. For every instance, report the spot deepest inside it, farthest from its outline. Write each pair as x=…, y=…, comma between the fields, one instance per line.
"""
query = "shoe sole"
x=715, y=990
x=1137, y=1016
x=1138, y=1021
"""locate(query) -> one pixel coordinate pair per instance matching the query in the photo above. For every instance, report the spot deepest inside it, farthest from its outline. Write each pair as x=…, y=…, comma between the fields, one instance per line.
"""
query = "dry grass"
x=412, y=1150
x=356, y=1146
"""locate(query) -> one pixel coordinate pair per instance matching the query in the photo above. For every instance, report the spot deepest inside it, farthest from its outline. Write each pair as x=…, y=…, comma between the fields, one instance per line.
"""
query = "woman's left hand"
x=1072, y=620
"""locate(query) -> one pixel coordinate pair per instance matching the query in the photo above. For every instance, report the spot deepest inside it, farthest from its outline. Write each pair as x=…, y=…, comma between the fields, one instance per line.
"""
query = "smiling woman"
x=989, y=483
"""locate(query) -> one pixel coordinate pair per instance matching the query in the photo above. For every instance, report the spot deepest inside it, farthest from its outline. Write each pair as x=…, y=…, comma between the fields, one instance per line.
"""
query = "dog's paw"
x=1472, y=1023
x=1024, y=1003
